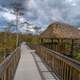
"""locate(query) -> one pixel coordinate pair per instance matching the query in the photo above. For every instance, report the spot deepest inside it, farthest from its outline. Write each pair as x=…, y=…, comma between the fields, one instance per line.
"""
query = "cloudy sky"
x=43, y=12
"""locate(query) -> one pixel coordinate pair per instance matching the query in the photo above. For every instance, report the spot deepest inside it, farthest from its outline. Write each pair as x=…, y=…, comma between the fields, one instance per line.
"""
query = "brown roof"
x=61, y=30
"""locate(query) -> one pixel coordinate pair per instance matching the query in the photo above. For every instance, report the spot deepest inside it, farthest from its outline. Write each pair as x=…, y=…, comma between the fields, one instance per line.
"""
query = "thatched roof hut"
x=61, y=37
x=61, y=30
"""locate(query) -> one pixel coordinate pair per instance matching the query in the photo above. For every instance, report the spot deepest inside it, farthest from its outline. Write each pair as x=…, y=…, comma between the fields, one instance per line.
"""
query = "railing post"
x=79, y=76
x=7, y=74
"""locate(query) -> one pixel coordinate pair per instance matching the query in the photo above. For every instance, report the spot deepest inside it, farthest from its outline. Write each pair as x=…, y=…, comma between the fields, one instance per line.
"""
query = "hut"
x=61, y=37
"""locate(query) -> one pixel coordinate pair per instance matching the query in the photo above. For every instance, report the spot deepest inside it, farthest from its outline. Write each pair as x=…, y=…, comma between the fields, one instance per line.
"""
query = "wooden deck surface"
x=27, y=68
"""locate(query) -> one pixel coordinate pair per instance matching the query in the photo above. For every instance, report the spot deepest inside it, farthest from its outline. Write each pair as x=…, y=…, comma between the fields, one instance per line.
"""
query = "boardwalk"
x=30, y=67
x=27, y=69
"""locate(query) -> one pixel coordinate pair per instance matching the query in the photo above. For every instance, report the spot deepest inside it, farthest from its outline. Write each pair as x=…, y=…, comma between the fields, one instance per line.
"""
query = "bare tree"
x=18, y=11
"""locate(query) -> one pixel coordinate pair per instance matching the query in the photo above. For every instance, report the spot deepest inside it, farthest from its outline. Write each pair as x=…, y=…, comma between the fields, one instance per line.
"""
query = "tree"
x=18, y=11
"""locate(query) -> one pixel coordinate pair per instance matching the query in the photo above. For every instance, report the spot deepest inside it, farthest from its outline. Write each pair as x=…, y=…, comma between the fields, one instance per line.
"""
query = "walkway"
x=30, y=67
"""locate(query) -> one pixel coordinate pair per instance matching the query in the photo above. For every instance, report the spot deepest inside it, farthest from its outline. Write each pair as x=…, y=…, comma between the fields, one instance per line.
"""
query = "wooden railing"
x=9, y=65
x=64, y=67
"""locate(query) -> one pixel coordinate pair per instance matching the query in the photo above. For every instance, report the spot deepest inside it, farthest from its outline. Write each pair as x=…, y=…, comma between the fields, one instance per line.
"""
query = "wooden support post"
x=41, y=41
x=58, y=45
x=61, y=45
x=51, y=43
x=72, y=48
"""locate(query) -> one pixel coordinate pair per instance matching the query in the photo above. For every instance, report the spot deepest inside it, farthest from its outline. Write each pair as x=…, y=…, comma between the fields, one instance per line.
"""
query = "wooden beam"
x=72, y=48
x=41, y=41
x=61, y=45
x=52, y=43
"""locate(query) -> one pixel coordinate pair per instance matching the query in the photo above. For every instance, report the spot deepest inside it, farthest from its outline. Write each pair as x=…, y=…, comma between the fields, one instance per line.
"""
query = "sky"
x=43, y=12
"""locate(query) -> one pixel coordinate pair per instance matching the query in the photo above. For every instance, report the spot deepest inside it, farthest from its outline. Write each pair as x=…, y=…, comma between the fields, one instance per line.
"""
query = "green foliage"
x=77, y=55
x=7, y=43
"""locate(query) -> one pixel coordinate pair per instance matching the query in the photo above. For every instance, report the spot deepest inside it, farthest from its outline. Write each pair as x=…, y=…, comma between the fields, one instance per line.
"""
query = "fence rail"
x=9, y=65
x=64, y=67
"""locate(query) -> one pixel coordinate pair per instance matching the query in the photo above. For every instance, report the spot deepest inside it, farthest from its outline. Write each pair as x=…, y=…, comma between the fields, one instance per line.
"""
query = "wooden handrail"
x=70, y=61
x=9, y=65
x=64, y=67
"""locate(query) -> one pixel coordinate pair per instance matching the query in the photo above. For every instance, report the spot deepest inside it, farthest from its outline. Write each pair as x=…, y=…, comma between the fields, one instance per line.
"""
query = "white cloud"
x=54, y=10
x=43, y=12
x=8, y=16
x=6, y=13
